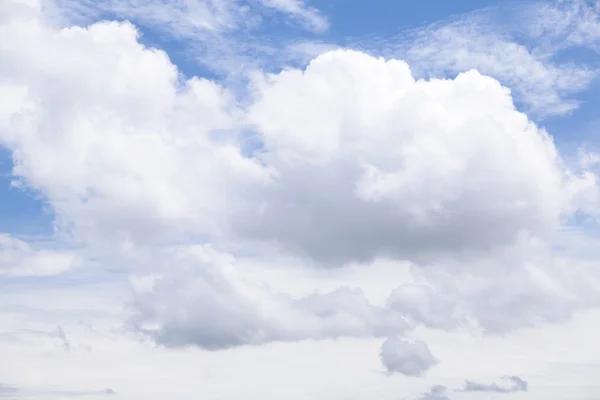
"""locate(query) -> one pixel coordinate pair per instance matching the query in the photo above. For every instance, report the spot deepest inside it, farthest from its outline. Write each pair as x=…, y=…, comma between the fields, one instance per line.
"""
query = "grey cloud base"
x=518, y=385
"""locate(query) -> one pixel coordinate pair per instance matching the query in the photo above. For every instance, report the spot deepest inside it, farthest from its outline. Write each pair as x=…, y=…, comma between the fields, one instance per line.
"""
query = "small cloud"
x=518, y=385
x=407, y=358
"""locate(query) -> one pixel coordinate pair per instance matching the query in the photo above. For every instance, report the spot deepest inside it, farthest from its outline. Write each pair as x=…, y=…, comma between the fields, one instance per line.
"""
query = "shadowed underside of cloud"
x=362, y=162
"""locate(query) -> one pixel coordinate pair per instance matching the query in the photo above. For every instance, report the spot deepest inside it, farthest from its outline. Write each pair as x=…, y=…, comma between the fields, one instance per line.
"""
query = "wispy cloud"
x=11, y=392
x=220, y=35
x=522, y=55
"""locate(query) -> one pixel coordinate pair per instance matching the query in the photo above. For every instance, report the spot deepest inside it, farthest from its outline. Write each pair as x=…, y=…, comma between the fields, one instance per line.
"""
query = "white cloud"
x=407, y=358
x=19, y=258
x=386, y=165
x=563, y=24
x=106, y=130
x=297, y=8
x=189, y=19
x=357, y=160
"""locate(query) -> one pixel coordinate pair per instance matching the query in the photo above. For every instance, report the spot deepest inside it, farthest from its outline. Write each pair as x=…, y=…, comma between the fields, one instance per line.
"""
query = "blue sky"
x=240, y=196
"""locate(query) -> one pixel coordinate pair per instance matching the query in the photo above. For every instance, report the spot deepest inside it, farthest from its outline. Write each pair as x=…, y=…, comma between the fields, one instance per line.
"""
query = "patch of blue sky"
x=384, y=17
x=22, y=211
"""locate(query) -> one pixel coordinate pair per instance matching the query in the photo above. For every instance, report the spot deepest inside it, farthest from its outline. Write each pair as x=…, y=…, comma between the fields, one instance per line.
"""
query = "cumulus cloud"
x=405, y=357
x=399, y=167
x=363, y=161
x=19, y=258
x=87, y=128
x=518, y=385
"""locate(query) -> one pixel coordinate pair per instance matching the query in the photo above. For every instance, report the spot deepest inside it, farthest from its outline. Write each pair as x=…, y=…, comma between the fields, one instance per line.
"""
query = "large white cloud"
x=357, y=160
x=371, y=162
x=106, y=130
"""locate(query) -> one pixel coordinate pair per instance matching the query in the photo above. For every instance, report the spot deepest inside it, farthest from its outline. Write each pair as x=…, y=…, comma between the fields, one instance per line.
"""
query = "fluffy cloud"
x=110, y=136
x=407, y=358
x=386, y=165
x=347, y=161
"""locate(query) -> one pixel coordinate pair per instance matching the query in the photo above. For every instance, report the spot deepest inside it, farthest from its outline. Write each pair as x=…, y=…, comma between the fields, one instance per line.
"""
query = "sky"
x=266, y=199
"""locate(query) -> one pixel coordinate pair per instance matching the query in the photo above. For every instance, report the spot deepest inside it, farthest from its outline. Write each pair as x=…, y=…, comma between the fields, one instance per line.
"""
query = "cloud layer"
x=346, y=161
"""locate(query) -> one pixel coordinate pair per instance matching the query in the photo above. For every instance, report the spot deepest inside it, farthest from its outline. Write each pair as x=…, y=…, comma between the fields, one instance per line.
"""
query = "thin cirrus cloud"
x=188, y=19
x=523, y=54
x=362, y=162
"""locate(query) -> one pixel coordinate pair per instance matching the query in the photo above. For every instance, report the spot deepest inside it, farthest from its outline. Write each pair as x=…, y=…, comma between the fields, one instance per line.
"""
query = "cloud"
x=189, y=20
x=105, y=107
x=19, y=258
x=518, y=385
x=563, y=24
x=235, y=312
x=437, y=392
x=224, y=37
x=141, y=164
x=398, y=167
x=311, y=17
x=407, y=358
